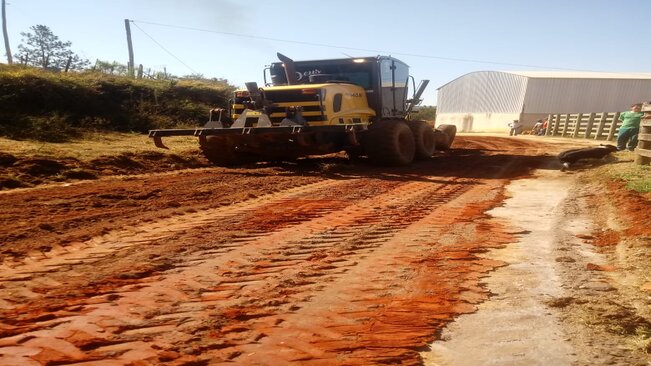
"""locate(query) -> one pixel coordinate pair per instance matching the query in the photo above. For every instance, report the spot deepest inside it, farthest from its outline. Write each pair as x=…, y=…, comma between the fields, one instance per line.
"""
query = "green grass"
x=635, y=177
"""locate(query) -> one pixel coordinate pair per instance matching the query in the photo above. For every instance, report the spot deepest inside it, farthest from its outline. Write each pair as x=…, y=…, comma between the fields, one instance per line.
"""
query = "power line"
x=250, y=36
x=164, y=49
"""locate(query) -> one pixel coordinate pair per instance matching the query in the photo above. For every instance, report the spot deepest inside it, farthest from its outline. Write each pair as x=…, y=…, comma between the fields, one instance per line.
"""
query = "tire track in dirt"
x=382, y=310
x=62, y=214
x=333, y=254
x=184, y=297
x=19, y=276
x=286, y=256
x=358, y=271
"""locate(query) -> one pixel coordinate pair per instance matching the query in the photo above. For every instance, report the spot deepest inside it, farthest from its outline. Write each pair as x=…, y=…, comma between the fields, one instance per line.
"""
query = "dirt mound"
x=7, y=159
x=33, y=171
x=11, y=183
x=40, y=167
x=122, y=162
x=148, y=161
x=632, y=209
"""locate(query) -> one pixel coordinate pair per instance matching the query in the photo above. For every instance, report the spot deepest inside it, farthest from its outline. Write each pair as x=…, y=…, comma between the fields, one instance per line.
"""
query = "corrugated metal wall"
x=478, y=122
x=483, y=92
x=564, y=95
x=482, y=101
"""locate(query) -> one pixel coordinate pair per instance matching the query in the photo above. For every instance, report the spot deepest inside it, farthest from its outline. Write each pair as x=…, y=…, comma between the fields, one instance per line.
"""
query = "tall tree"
x=426, y=112
x=112, y=68
x=43, y=49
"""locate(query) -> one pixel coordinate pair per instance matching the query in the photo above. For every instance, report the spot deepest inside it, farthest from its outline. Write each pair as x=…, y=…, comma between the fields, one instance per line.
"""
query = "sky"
x=440, y=40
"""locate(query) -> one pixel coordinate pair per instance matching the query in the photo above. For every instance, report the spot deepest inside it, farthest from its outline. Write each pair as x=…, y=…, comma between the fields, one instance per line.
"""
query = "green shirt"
x=630, y=119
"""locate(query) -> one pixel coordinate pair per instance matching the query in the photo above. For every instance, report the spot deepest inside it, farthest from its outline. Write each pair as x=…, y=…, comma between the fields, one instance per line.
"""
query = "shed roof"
x=565, y=75
x=582, y=74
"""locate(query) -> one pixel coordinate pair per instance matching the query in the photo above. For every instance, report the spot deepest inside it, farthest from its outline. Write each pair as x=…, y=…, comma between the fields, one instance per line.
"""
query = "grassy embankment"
x=58, y=107
x=58, y=126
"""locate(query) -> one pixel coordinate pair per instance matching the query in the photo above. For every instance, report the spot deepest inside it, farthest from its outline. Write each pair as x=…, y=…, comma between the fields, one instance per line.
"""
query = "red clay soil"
x=324, y=262
x=632, y=210
x=21, y=172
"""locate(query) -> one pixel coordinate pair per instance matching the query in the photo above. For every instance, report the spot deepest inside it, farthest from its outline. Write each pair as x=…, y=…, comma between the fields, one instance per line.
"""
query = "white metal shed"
x=489, y=100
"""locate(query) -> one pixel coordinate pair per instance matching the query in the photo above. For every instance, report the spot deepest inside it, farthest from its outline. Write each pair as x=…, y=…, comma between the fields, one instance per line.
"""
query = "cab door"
x=393, y=87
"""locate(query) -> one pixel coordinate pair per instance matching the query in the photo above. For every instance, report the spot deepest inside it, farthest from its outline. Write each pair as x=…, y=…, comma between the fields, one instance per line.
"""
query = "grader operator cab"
x=319, y=107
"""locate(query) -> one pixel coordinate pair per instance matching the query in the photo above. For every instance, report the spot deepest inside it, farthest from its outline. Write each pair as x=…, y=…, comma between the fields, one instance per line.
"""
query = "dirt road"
x=319, y=263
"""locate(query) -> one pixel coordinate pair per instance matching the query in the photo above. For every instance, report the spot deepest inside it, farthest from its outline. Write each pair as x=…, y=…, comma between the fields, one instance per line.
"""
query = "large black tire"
x=445, y=135
x=424, y=139
x=220, y=150
x=390, y=142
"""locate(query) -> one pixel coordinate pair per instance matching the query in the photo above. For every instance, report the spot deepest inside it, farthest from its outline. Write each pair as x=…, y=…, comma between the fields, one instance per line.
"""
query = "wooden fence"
x=643, y=151
x=597, y=126
x=601, y=126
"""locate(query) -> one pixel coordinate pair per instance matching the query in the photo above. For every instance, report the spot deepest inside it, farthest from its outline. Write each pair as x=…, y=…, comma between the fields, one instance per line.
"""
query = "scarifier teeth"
x=158, y=141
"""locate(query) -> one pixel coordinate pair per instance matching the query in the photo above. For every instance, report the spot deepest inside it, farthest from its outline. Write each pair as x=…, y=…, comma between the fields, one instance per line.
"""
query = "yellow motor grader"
x=317, y=107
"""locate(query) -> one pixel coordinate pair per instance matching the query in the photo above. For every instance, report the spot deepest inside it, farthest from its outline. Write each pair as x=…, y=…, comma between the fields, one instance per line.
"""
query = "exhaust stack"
x=290, y=70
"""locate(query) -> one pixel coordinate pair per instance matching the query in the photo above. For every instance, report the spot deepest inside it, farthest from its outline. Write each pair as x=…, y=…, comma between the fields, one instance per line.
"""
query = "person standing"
x=516, y=128
x=627, y=135
x=543, y=130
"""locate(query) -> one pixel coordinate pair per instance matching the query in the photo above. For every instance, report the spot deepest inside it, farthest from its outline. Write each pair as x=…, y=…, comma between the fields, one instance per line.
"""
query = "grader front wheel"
x=390, y=142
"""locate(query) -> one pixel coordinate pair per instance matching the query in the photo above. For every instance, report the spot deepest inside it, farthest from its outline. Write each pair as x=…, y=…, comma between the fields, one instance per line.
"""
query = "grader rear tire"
x=445, y=135
x=424, y=139
x=390, y=142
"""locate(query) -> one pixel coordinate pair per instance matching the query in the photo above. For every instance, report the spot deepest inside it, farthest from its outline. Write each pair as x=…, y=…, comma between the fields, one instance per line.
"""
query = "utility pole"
x=130, y=66
x=10, y=60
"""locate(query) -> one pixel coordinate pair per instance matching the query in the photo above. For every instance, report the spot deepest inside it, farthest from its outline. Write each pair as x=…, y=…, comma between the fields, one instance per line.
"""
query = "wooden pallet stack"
x=643, y=150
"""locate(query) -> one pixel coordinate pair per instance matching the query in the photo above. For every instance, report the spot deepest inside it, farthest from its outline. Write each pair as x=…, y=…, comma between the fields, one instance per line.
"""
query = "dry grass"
x=93, y=146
